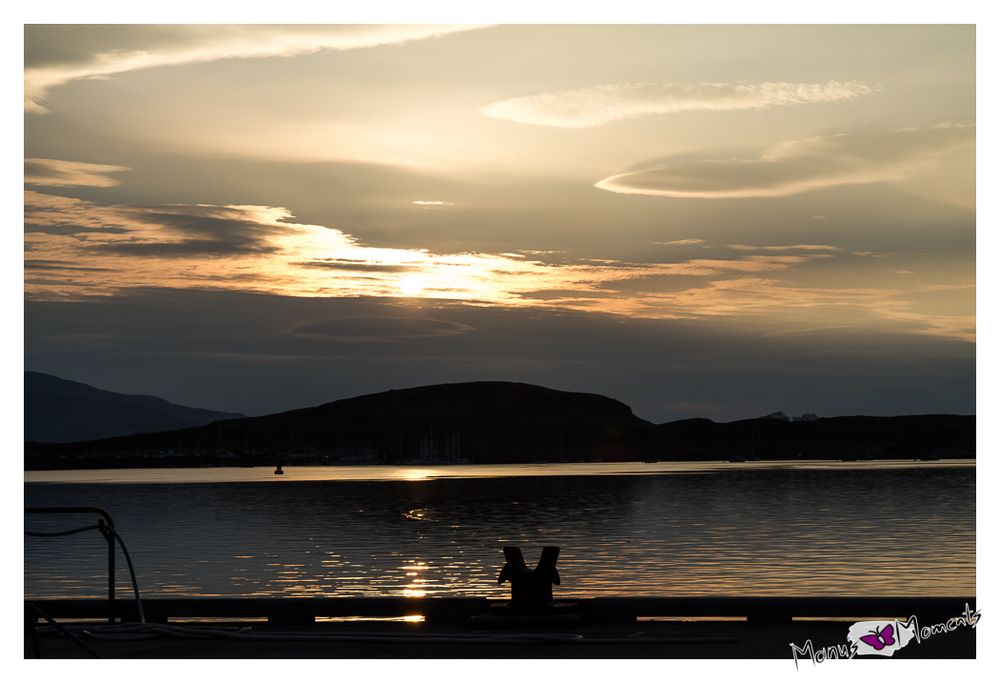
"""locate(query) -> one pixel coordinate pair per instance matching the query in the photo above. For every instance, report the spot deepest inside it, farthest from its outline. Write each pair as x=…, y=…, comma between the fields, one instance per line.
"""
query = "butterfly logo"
x=879, y=639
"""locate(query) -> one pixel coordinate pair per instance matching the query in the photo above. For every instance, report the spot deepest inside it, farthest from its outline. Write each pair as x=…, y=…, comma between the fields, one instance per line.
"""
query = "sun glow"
x=411, y=285
x=170, y=246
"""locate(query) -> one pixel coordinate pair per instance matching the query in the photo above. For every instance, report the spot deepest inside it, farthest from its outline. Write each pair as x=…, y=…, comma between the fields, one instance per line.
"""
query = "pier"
x=655, y=627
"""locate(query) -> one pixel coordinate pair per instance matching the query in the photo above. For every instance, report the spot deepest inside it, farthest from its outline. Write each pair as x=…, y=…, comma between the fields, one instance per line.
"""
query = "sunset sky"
x=716, y=221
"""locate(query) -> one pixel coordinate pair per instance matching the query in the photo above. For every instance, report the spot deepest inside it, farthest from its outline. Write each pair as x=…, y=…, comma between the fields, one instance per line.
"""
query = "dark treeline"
x=500, y=422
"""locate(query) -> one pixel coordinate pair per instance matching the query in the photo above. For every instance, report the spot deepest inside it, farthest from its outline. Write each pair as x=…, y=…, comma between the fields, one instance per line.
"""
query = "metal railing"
x=105, y=524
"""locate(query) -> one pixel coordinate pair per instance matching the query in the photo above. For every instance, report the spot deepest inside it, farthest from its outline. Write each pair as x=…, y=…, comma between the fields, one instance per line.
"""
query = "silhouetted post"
x=530, y=589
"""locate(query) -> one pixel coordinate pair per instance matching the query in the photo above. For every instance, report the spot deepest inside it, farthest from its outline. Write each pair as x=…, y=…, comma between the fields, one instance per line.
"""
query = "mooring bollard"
x=530, y=589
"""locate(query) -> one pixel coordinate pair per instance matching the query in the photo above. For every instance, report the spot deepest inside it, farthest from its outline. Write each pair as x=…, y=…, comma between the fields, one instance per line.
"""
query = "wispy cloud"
x=42, y=264
x=379, y=328
x=757, y=297
x=431, y=203
x=266, y=249
x=194, y=44
x=680, y=243
x=870, y=254
x=601, y=104
x=59, y=173
x=357, y=266
x=170, y=231
x=784, y=247
x=746, y=264
x=77, y=248
x=801, y=165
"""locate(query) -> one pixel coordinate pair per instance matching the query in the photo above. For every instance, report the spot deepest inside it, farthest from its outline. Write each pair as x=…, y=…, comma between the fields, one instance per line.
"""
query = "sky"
x=714, y=221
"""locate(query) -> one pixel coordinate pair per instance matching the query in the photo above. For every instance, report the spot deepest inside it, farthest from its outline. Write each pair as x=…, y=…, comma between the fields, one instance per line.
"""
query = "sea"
x=894, y=528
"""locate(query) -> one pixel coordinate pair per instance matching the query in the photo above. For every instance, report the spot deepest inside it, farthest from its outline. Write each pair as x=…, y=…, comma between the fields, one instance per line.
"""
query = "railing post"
x=110, y=537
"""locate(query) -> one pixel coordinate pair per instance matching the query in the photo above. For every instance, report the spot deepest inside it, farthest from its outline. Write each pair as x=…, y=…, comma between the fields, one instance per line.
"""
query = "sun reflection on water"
x=741, y=532
x=416, y=586
x=418, y=473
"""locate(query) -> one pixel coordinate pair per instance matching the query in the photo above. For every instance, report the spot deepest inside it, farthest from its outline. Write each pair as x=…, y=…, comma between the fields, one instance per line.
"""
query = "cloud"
x=116, y=248
x=380, y=328
x=42, y=264
x=201, y=230
x=177, y=45
x=751, y=297
x=261, y=248
x=869, y=254
x=800, y=165
x=746, y=264
x=356, y=265
x=601, y=104
x=680, y=243
x=234, y=350
x=59, y=173
x=784, y=247
x=163, y=232
x=431, y=203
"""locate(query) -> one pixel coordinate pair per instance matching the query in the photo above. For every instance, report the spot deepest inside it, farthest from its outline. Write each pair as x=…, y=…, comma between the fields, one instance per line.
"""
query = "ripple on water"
x=761, y=532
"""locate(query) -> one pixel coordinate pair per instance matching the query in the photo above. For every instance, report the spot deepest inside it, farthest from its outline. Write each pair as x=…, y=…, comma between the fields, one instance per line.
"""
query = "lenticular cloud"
x=601, y=104
x=800, y=165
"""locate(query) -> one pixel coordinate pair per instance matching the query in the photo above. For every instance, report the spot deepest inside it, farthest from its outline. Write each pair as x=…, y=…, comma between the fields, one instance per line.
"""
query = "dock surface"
x=607, y=628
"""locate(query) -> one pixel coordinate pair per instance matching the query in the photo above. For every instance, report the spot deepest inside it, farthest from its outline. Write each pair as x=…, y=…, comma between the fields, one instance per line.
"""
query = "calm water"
x=631, y=529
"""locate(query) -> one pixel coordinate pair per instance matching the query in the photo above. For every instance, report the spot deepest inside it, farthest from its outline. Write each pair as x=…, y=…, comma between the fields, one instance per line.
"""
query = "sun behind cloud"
x=411, y=285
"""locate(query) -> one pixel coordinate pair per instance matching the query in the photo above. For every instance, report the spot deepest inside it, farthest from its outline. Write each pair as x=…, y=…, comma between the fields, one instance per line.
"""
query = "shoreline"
x=265, y=474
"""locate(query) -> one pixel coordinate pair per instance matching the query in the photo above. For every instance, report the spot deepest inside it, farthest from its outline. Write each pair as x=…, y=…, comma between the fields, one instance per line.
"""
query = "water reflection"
x=169, y=475
x=746, y=531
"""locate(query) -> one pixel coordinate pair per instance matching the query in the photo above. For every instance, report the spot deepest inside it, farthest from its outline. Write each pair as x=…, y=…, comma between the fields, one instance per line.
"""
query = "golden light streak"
x=76, y=248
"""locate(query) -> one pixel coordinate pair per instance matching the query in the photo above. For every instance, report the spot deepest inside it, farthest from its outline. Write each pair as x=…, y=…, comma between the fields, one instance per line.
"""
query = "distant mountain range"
x=487, y=422
x=59, y=410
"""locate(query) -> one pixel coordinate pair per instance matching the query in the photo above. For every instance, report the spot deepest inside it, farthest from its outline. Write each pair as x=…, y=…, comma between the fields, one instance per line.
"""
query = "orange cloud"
x=59, y=173
x=78, y=248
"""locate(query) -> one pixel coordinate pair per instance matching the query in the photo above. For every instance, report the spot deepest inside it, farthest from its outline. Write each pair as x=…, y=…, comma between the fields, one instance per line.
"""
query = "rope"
x=131, y=570
x=51, y=534
x=59, y=627
x=104, y=529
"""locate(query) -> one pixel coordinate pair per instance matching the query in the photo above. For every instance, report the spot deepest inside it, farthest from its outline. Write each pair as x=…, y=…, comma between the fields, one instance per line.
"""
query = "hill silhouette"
x=493, y=422
x=847, y=437
x=60, y=410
